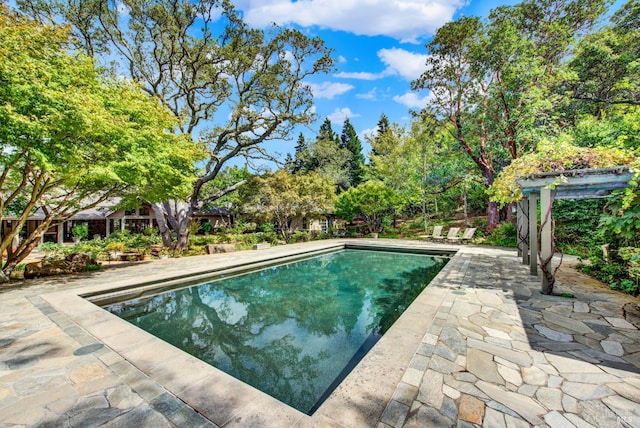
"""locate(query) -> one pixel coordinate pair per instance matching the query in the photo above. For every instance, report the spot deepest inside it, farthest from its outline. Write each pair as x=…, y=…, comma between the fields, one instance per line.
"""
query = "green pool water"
x=295, y=330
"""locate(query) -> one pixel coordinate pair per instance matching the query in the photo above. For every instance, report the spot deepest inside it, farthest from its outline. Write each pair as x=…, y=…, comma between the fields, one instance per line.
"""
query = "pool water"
x=295, y=330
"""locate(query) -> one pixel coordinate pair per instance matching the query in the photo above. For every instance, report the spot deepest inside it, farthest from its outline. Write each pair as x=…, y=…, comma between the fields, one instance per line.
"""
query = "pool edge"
x=359, y=400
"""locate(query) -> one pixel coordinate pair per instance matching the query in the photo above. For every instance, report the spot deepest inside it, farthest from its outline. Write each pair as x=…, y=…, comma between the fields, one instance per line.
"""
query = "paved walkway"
x=494, y=353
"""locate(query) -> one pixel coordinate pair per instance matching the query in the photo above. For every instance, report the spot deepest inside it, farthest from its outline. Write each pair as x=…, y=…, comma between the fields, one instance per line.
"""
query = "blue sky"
x=379, y=48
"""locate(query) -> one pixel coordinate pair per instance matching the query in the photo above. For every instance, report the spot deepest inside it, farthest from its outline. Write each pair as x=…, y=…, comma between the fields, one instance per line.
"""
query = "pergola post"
x=546, y=238
x=519, y=220
x=523, y=230
x=533, y=233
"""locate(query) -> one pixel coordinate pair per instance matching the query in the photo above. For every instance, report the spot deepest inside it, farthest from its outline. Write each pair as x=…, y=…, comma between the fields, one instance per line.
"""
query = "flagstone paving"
x=497, y=353
x=508, y=356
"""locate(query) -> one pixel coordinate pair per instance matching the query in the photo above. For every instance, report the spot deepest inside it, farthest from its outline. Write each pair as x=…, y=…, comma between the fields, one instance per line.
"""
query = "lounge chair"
x=467, y=235
x=437, y=233
x=451, y=234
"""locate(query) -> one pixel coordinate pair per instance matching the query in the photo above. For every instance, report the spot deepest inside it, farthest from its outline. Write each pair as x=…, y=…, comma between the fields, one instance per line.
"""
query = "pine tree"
x=300, y=160
x=383, y=128
x=326, y=132
x=327, y=157
x=351, y=142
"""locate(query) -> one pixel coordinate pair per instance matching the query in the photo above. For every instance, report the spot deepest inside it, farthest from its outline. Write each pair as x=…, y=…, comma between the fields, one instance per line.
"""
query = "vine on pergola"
x=559, y=161
x=557, y=156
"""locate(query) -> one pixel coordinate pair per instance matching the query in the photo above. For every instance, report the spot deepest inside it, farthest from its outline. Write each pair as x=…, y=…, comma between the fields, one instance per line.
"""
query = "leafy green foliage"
x=576, y=225
x=72, y=138
x=351, y=142
x=612, y=272
x=80, y=231
x=371, y=201
x=557, y=156
x=623, y=221
x=281, y=197
x=504, y=235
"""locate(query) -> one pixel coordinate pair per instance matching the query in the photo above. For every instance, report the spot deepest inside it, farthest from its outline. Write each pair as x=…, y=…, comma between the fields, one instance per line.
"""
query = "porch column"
x=533, y=233
x=107, y=228
x=60, y=234
x=546, y=238
x=523, y=229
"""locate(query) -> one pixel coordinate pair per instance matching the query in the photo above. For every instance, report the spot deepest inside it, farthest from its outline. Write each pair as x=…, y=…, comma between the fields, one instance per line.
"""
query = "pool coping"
x=360, y=399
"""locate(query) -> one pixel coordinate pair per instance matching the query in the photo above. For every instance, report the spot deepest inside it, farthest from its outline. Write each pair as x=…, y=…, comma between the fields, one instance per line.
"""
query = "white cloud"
x=360, y=75
x=412, y=100
x=371, y=95
x=341, y=59
x=398, y=62
x=407, y=64
x=339, y=115
x=368, y=133
x=329, y=89
x=405, y=20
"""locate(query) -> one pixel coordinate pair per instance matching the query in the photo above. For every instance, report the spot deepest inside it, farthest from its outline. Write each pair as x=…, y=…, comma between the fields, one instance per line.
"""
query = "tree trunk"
x=163, y=227
x=508, y=211
x=173, y=219
x=464, y=202
x=493, y=212
x=15, y=257
x=493, y=215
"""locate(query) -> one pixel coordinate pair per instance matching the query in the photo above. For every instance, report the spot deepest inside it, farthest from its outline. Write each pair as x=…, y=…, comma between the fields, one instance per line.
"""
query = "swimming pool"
x=293, y=330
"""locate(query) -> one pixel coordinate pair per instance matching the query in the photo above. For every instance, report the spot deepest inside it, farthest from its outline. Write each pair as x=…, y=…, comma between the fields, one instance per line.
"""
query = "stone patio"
x=479, y=347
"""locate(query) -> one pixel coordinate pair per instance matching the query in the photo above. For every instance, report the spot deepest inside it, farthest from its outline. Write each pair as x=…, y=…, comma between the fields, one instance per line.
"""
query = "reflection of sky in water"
x=288, y=330
x=234, y=311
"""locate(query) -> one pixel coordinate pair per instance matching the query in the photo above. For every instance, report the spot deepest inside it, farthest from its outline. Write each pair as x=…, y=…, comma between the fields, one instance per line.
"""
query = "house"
x=103, y=220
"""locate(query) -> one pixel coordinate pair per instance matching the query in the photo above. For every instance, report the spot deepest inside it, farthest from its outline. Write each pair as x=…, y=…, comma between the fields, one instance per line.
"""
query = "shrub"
x=80, y=231
x=202, y=240
x=51, y=250
x=300, y=236
x=504, y=235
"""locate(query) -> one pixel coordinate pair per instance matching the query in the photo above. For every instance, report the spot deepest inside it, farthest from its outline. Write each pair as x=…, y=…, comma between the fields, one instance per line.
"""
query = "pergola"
x=546, y=187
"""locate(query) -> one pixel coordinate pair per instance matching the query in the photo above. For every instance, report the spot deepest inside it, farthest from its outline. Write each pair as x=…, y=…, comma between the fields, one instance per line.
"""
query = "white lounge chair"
x=436, y=234
x=451, y=234
x=467, y=235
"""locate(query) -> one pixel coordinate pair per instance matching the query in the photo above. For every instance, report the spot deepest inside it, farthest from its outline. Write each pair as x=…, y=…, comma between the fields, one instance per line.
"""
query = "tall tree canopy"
x=280, y=197
x=351, y=142
x=71, y=138
x=371, y=201
x=325, y=155
x=232, y=87
x=493, y=81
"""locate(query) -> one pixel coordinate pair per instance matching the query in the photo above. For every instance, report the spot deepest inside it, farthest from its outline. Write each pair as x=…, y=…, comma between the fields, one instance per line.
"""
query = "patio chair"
x=467, y=235
x=437, y=233
x=451, y=234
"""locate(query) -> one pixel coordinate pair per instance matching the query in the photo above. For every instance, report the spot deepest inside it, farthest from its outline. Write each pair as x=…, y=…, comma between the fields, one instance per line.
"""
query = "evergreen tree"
x=383, y=124
x=326, y=133
x=351, y=142
x=288, y=163
x=300, y=159
x=382, y=130
x=327, y=157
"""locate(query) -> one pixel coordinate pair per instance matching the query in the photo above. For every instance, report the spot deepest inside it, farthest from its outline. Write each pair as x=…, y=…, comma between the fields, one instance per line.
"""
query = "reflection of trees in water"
x=244, y=325
x=401, y=292
x=278, y=367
